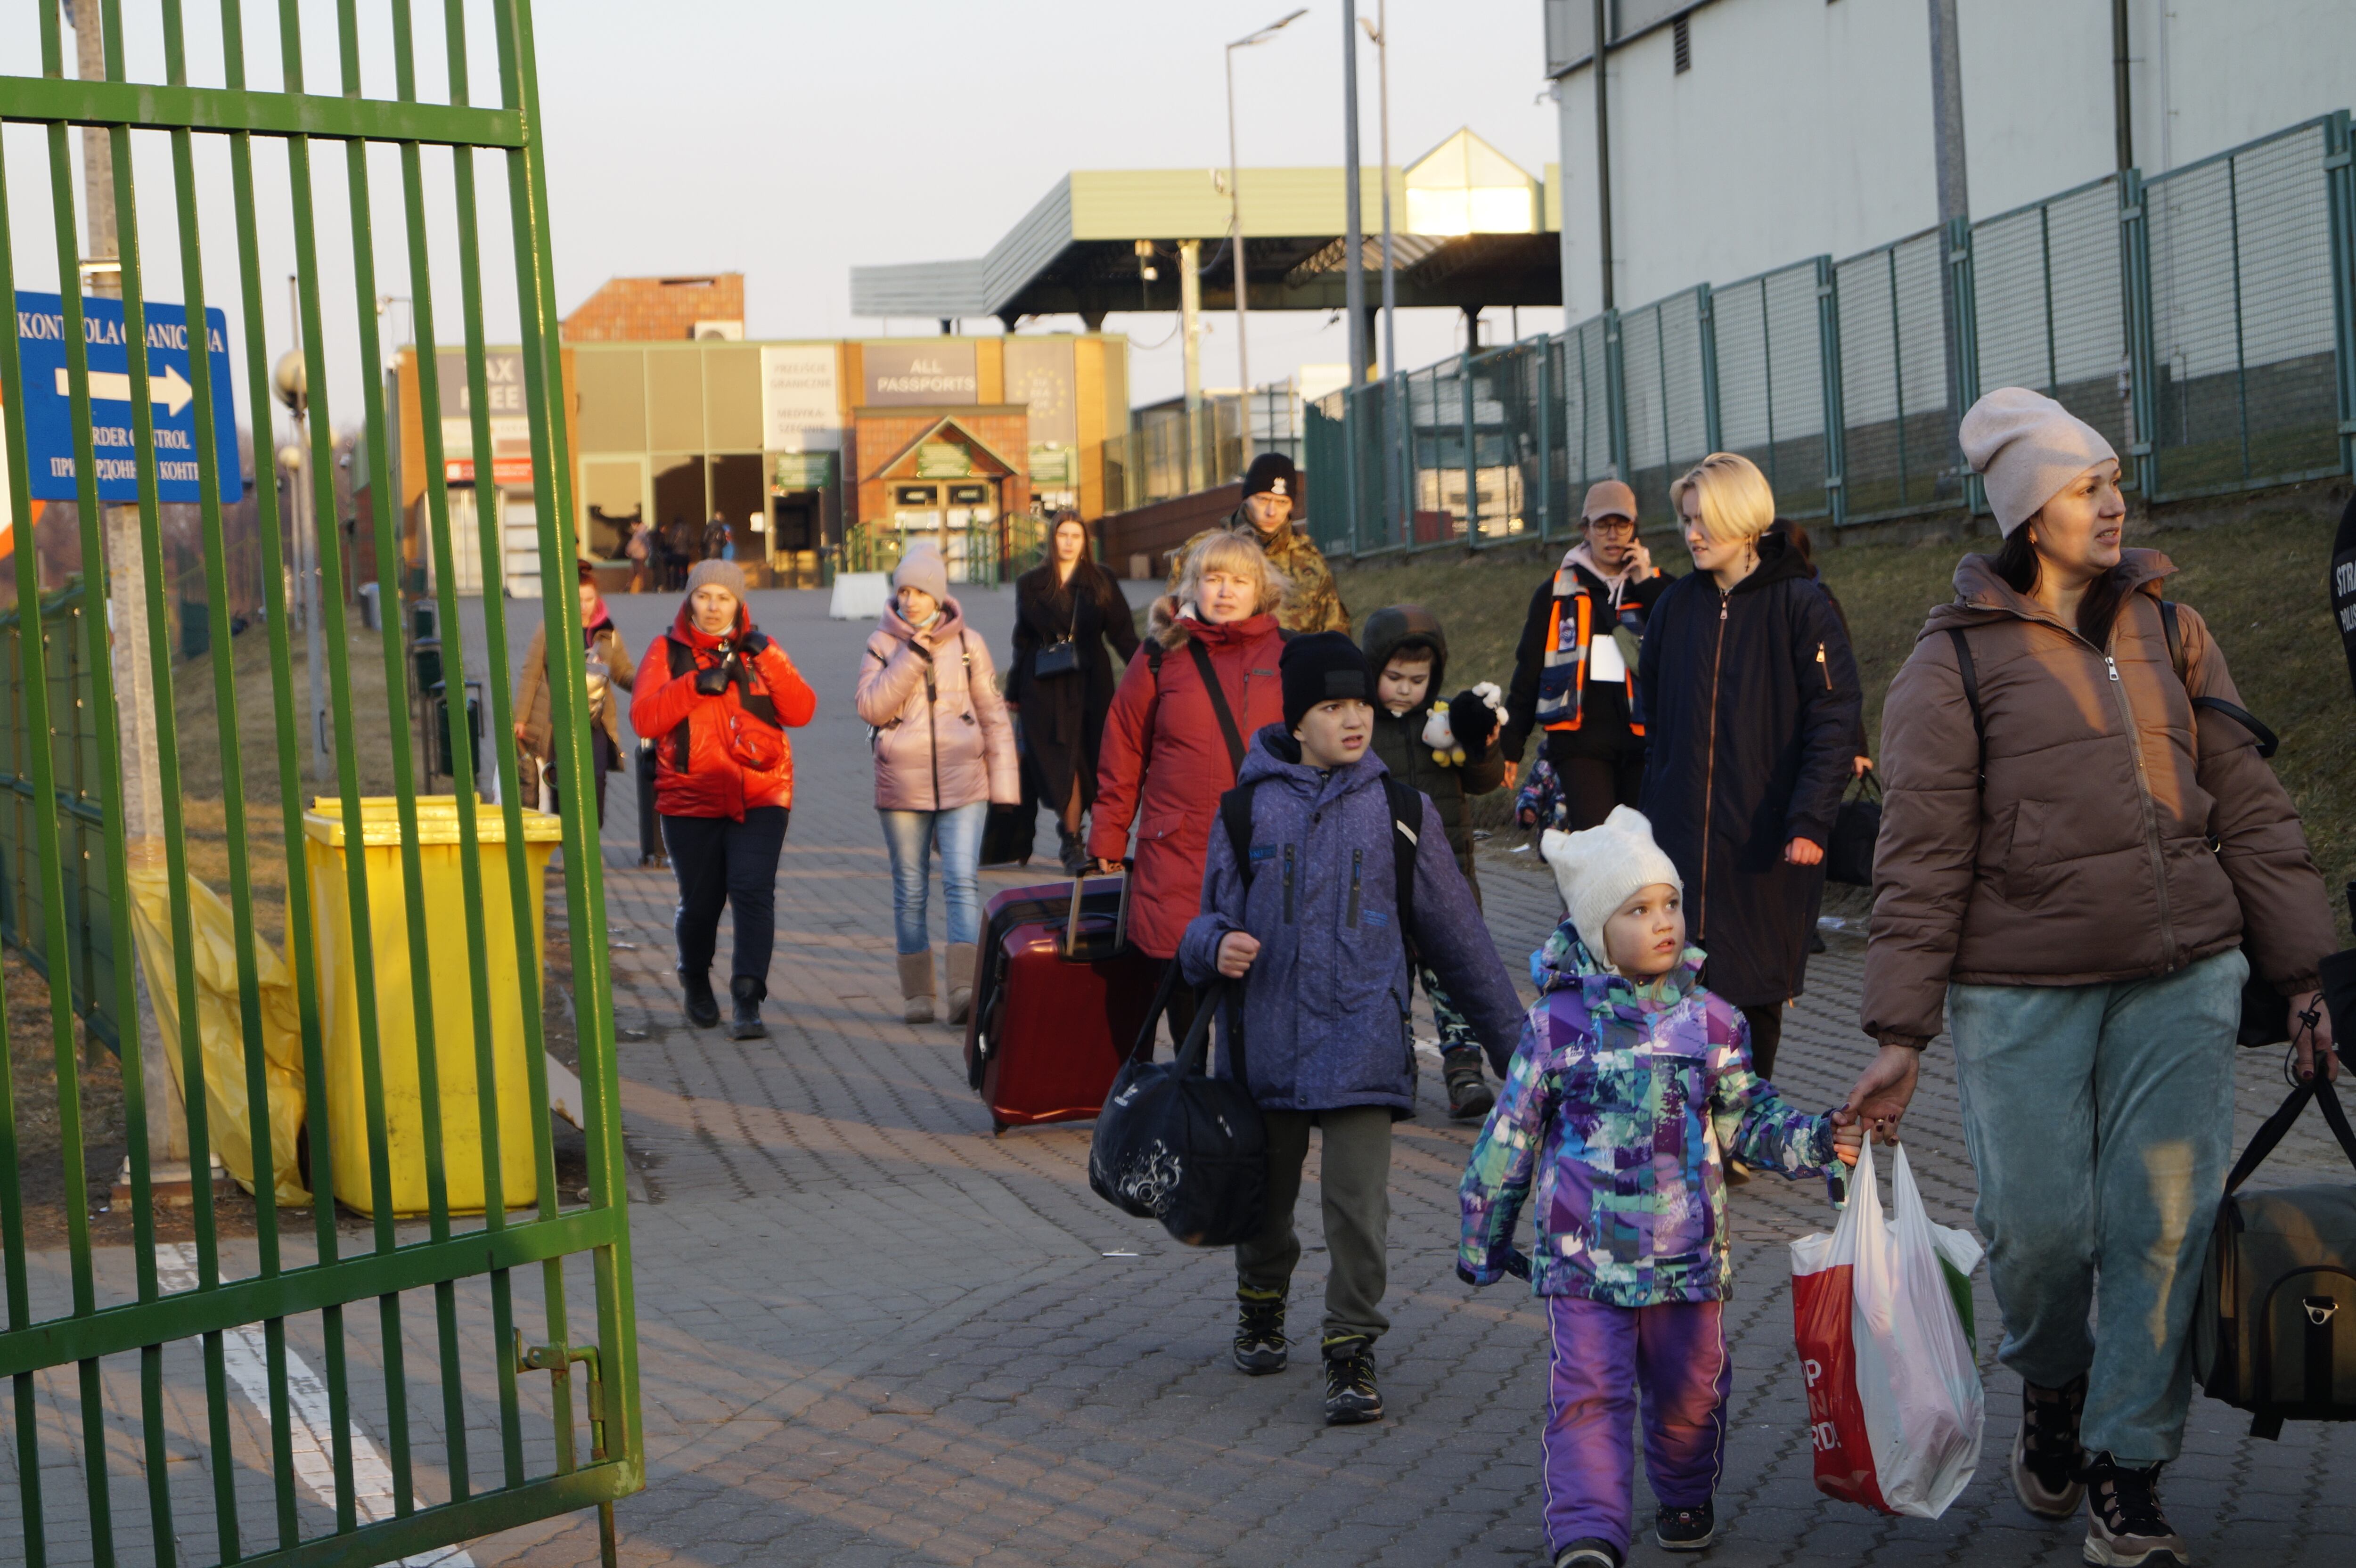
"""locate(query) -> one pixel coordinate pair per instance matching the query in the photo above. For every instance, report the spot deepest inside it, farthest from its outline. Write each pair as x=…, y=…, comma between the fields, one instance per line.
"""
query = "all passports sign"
x=49, y=402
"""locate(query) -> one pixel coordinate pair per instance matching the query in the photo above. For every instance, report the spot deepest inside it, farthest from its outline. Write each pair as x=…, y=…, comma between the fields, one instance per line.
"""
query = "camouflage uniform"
x=1315, y=604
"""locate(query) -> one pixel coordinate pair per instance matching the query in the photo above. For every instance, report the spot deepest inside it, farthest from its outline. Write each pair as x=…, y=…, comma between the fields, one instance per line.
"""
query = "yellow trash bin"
x=451, y=984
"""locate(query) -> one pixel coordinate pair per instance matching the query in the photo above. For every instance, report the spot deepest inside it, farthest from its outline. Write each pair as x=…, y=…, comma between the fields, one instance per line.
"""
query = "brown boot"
x=961, y=956
x=916, y=986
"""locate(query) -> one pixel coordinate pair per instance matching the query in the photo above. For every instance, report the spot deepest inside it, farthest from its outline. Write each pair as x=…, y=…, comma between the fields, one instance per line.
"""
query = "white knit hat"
x=1599, y=868
x=2026, y=447
x=922, y=568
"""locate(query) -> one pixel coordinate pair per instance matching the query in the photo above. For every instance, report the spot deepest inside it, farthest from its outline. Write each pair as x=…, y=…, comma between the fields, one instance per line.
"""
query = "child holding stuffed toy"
x=1446, y=747
x=1630, y=1089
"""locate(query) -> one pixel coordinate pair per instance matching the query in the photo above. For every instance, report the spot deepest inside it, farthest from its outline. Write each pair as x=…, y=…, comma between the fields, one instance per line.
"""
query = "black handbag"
x=2273, y=1331
x=1848, y=859
x=1061, y=657
x=1176, y=1144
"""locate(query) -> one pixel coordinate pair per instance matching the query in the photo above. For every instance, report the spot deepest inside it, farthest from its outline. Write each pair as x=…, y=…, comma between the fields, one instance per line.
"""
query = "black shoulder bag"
x=1177, y=1145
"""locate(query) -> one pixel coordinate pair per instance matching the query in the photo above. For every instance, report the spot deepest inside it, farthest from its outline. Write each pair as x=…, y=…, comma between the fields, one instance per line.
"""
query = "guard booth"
x=945, y=474
x=282, y=1389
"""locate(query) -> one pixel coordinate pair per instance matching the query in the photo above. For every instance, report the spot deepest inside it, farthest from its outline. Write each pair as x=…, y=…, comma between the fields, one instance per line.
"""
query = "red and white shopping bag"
x=1883, y=1311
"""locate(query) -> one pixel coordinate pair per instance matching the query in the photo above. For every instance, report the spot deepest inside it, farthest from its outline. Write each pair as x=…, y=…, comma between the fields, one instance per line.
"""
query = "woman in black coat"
x=1067, y=598
x=1752, y=703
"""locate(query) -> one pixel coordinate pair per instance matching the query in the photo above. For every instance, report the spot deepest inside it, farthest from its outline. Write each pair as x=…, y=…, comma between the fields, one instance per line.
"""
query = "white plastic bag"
x=1882, y=1313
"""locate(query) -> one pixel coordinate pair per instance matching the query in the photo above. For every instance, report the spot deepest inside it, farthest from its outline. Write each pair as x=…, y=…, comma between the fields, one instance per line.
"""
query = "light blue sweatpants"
x=2100, y=1119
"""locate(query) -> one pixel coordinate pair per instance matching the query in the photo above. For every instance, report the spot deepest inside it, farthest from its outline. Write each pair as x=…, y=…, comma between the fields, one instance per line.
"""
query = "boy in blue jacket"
x=1309, y=917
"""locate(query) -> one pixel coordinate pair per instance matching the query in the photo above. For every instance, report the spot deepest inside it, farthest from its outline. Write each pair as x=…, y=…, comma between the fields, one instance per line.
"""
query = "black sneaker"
x=1685, y=1529
x=2046, y=1458
x=2124, y=1527
x=702, y=1007
x=1588, y=1552
x=1469, y=1096
x=1351, y=1393
x=744, y=1023
x=1261, y=1344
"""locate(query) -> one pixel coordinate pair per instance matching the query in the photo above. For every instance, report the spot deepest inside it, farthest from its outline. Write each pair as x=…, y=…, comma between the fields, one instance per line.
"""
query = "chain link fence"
x=2203, y=320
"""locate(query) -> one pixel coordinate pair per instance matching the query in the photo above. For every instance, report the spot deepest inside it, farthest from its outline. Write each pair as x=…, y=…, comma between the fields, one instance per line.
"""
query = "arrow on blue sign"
x=48, y=403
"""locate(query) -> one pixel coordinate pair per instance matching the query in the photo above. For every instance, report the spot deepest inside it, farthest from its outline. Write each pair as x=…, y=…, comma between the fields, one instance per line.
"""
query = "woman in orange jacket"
x=716, y=697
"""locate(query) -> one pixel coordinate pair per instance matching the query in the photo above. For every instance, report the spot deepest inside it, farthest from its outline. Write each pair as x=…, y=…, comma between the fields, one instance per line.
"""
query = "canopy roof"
x=1470, y=229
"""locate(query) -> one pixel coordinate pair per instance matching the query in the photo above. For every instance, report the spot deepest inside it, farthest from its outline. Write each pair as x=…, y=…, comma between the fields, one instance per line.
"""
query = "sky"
x=793, y=141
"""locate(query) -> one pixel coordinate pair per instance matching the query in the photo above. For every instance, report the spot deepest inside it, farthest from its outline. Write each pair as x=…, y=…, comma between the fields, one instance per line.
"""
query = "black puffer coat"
x=1751, y=701
x=1398, y=737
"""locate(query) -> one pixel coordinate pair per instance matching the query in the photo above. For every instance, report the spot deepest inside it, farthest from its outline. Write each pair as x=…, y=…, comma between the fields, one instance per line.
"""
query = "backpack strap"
x=1227, y=716
x=2268, y=741
x=1406, y=805
x=1970, y=672
x=1236, y=817
x=1407, y=824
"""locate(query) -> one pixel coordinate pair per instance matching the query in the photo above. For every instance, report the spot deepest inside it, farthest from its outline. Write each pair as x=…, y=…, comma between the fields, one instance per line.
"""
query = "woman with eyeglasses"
x=1575, y=671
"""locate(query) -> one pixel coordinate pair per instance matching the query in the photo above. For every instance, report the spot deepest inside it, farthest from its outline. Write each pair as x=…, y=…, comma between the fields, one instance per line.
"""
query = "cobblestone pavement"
x=874, y=1333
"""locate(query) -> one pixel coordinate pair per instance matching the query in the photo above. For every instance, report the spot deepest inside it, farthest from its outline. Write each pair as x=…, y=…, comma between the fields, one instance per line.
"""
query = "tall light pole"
x=1393, y=466
x=1354, y=272
x=1236, y=217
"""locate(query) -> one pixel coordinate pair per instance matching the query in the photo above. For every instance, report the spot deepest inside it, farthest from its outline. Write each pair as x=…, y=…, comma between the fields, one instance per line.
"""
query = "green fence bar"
x=78, y=842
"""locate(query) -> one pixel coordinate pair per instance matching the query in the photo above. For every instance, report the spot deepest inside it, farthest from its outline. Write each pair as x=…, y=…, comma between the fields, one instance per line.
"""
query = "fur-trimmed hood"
x=1164, y=625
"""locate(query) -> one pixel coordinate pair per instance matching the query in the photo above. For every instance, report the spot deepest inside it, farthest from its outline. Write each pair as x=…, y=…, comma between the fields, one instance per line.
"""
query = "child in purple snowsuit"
x=1631, y=1086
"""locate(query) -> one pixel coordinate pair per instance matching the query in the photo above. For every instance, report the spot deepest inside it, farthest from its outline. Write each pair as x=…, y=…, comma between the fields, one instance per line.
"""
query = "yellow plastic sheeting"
x=451, y=982
x=221, y=1026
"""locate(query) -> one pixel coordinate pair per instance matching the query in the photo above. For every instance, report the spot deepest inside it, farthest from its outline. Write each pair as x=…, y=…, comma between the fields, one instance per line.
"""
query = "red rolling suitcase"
x=1058, y=1003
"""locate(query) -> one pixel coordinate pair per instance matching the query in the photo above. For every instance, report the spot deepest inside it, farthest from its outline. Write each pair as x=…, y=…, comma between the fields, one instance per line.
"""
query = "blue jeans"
x=910, y=837
x=2100, y=1119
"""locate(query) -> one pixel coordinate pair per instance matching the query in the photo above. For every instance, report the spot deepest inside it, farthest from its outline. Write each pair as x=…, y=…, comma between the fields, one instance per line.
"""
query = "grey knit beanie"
x=721, y=573
x=2026, y=447
x=923, y=568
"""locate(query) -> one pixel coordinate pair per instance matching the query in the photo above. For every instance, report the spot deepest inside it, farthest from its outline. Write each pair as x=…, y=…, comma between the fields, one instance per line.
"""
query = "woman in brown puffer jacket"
x=2085, y=878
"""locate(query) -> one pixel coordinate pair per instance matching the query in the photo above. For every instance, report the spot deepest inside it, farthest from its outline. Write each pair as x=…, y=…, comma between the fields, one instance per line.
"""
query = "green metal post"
x=1964, y=292
x=2340, y=181
x=1545, y=421
x=1472, y=452
x=1828, y=359
x=2142, y=353
x=1706, y=323
x=1615, y=395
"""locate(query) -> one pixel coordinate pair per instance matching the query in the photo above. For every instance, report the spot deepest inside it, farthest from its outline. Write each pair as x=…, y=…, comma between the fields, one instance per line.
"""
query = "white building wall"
x=1803, y=127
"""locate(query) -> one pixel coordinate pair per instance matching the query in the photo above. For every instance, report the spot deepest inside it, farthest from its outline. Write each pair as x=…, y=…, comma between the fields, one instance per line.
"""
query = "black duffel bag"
x=2275, y=1330
x=1176, y=1144
x=1849, y=856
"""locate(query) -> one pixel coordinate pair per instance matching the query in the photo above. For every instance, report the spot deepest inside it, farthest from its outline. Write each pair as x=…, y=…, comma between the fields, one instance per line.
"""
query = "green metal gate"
x=338, y=1392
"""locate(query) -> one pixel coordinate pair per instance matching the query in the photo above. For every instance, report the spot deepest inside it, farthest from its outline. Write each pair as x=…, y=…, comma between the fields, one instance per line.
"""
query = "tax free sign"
x=48, y=403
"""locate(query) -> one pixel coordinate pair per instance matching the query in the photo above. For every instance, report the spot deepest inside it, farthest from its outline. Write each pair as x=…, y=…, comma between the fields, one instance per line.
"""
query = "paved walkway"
x=876, y=1334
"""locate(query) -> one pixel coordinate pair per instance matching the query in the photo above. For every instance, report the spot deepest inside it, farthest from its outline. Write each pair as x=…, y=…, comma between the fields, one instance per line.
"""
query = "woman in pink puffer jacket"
x=943, y=755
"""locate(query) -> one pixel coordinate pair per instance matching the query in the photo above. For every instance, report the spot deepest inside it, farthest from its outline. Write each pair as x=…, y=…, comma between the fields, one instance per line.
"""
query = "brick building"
x=660, y=310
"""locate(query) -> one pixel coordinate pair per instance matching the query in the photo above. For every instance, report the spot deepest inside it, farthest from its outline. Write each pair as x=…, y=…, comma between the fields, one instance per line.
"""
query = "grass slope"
x=2260, y=583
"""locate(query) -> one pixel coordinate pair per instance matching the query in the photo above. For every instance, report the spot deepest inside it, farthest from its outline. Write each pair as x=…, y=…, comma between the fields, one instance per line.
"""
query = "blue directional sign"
x=48, y=407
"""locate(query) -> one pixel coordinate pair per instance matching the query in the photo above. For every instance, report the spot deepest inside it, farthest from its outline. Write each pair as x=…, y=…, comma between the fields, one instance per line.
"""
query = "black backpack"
x=2273, y=1331
x=1176, y=1144
x=1406, y=822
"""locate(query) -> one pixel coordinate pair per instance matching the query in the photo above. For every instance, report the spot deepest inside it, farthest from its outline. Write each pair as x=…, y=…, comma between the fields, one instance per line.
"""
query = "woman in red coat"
x=1166, y=757
x=716, y=697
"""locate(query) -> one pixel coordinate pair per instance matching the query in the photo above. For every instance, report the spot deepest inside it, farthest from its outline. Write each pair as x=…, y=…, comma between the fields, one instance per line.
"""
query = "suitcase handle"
x=1071, y=921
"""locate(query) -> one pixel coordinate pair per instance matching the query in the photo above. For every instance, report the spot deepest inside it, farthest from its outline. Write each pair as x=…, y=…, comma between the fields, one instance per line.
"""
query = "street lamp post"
x=1394, y=465
x=1236, y=220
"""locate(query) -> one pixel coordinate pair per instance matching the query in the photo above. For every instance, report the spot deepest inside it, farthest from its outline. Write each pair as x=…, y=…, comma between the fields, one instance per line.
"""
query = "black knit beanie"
x=1272, y=473
x=1323, y=667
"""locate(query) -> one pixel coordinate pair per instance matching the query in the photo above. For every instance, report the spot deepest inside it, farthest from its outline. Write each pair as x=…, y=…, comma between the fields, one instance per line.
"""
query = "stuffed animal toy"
x=1452, y=748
